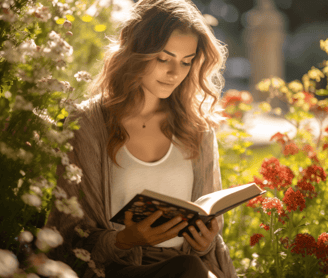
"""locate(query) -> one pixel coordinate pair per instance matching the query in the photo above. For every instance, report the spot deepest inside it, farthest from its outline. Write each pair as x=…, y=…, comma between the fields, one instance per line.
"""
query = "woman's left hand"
x=203, y=241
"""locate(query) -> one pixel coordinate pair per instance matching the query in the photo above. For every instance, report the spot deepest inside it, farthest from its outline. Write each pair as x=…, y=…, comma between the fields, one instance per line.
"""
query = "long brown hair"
x=142, y=37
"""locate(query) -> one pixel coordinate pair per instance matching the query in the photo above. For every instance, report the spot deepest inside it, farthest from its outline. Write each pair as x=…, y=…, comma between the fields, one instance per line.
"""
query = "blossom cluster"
x=235, y=102
x=275, y=174
x=255, y=239
x=293, y=200
x=268, y=204
x=70, y=206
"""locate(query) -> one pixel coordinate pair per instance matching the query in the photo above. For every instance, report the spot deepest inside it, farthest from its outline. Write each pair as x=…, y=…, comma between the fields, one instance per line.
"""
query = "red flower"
x=255, y=202
x=231, y=100
x=259, y=182
x=290, y=149
x=265, y=227
x=304, y=244
x=293, y=200
x=306, y=188
x=272, y=203
x=284, y=242
x=322, y=246
x=280, y=138
x=308, y=149
x=255, y=239
x=277, y=175
x=314, y=173
x=325, y=146
x=234, y=97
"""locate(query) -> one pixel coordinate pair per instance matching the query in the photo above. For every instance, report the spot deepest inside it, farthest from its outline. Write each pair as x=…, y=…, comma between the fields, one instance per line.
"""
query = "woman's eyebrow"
x=176, y=55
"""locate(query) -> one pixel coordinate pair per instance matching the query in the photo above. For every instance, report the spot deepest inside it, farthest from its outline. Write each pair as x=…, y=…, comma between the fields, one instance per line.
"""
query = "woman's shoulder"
x=89, y=114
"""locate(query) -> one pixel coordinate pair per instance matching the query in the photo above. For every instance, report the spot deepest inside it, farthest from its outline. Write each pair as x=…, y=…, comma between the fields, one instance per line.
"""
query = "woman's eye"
x=163, y=61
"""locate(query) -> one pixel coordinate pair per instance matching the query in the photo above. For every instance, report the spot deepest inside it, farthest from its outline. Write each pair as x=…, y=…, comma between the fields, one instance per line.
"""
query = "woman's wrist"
x=120, y=243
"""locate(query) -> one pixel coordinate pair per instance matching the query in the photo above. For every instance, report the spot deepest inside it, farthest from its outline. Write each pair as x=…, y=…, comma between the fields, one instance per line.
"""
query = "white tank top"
x=171, y=175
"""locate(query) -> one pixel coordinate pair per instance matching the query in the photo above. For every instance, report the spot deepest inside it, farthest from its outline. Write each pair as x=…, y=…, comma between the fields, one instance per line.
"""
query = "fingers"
x=151, y=218
x=128, y=218
x=169, y=224
x=171, y=233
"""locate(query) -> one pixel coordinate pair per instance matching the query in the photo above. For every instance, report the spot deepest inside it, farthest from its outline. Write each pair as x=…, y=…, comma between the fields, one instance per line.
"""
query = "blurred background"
x=265, y=38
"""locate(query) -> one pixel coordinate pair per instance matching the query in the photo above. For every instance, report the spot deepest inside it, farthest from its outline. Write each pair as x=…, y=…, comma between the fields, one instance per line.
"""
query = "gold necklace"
x=144, y=123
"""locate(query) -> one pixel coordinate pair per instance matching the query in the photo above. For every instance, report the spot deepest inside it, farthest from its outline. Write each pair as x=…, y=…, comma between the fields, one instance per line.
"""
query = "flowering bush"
x=292, y=214
x=39, y=86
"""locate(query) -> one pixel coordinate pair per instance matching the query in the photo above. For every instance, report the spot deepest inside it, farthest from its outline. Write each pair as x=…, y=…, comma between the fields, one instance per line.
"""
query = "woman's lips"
x=164, y=84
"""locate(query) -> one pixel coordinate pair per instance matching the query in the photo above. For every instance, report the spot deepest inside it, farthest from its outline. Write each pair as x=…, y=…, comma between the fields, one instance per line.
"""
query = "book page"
x=216, y=201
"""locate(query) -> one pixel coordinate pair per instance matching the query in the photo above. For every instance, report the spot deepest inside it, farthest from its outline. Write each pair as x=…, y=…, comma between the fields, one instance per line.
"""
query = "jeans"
x=158, y=262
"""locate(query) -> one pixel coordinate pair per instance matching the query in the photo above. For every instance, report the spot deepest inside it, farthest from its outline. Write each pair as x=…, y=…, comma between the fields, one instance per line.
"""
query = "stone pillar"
x=264, y=37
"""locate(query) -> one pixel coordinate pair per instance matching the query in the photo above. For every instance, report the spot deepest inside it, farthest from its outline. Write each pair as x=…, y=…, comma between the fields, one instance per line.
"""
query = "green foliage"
x=37, y=85
x=241, y=162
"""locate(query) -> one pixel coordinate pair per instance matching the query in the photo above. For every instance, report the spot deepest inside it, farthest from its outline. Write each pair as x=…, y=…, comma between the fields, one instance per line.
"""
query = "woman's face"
x=171, y=66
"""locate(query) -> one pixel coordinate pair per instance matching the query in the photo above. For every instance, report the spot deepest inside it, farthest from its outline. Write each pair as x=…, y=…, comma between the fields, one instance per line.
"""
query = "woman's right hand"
x=141, y=234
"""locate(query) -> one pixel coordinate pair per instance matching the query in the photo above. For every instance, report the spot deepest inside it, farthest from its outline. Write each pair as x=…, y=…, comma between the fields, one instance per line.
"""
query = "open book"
x=204, y=208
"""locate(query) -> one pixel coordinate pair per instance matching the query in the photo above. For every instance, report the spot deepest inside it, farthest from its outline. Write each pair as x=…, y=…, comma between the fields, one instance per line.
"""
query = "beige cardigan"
x=94, y=195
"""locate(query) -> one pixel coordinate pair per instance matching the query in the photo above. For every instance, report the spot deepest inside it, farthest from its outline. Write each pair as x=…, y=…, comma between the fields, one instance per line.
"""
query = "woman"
x=146, y=128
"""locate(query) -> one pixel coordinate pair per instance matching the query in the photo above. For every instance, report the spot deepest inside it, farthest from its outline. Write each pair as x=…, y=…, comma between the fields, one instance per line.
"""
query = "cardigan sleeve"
x=86, y=154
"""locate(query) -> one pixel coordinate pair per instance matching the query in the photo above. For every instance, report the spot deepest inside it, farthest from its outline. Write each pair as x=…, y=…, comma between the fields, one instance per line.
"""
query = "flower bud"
x=67, y=24
x=25, y=237
x=69, y=33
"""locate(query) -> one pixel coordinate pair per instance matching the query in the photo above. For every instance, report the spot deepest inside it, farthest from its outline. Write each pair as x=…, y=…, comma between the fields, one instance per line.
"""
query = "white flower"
x=67, y=24
x=9, y=16
x=91, y=264
x=61, y=206
x=8, y=263
x=25, y=236
x=68, y=146
x=81, y=233
x=42, y=13
x=64, y=271
x=48, y=268
x=36, y=190
x=57, y=47
x=83, y=75
x=82, y=254
x=31, y=200
x=65, y=159
x=28, y=47
x=48, y=238
x=59, y=193
x=68, y=104
x=75, y=207
x=40, y=182
x=73, y=173
x=8, y=94
x=22, y=172
x=22, y=104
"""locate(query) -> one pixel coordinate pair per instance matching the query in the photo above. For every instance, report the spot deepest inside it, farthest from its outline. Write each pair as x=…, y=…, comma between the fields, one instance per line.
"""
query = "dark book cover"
x=142, y=206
